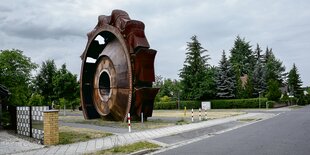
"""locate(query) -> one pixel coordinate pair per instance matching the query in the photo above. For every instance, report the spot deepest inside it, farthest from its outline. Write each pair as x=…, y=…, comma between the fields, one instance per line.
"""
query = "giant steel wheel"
x=116, y=76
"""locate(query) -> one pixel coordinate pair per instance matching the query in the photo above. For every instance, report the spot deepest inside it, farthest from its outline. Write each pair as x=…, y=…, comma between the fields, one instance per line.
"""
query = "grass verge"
x=248, y=119
x=136, y=125
x=69, y=135
x=126, y=149
x=163, y=118
x=295, y=107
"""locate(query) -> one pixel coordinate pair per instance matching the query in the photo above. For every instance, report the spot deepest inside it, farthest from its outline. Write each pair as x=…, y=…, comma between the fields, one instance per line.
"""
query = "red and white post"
x=192, y=115
x=128, y=118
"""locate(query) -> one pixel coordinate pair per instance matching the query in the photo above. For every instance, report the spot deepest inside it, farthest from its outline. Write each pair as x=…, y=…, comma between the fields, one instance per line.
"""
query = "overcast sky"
x=56, y=29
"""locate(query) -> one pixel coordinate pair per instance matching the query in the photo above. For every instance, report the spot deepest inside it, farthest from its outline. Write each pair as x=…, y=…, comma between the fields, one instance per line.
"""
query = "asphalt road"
x=287, y=133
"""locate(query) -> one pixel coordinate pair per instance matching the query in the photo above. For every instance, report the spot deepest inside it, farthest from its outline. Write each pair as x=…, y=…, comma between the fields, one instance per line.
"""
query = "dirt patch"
x=182, y=114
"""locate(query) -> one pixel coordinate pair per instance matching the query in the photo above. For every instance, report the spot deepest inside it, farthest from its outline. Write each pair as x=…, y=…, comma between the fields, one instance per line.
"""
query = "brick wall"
x=51, y=131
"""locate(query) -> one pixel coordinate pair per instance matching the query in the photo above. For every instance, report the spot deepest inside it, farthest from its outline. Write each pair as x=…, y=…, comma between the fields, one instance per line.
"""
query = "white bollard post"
x=141, y=117
x=192, y=115
x=64, y=109
x=128, y=118
x=199, y=114
x=205, y=114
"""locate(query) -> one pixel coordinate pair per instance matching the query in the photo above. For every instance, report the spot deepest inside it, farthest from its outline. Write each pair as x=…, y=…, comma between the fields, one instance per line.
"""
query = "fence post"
x=141, y=117
x=30, y=121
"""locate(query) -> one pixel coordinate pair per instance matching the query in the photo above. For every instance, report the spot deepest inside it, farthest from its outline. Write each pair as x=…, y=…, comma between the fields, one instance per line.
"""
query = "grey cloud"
x=39, y=31
x=57, y=29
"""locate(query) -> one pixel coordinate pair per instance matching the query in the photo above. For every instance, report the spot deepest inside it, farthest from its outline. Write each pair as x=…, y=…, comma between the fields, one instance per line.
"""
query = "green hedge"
x=240, y=103
x=217, y=104
x=174, y=105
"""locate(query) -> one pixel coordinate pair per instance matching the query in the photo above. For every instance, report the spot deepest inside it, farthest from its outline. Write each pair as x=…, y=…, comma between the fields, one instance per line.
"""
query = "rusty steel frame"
x=120, y=79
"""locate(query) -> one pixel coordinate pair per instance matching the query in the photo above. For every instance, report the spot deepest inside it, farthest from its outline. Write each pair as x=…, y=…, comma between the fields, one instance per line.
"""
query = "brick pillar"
x=50, y=126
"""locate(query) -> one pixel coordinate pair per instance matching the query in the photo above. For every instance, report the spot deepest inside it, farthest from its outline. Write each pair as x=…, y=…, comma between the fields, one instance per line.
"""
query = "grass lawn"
x=69, y=135
x=162, y=119
x=136, y=125
x=126, y=149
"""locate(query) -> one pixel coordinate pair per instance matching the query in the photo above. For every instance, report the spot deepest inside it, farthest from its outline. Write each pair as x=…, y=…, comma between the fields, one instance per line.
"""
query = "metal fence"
x=30, y=121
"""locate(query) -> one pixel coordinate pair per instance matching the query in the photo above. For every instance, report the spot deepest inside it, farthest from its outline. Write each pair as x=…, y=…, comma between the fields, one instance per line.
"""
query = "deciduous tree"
x=15, y=74
x=44, y=81
x=66, y=86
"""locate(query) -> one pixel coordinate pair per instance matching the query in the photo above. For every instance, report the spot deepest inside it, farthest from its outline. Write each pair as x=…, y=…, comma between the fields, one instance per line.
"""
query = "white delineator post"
x=128, y=118
x=205, y=114
x=192, y=115
x=199, y=114
x=141, y=117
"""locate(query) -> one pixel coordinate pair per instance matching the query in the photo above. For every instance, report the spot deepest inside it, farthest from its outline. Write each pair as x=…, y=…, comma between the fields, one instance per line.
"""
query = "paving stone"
x=72, y=148
x=52, y=150
x=99, y=143
x=41, y=152
x=62, y=149
x=91, y=145
x=82, y=147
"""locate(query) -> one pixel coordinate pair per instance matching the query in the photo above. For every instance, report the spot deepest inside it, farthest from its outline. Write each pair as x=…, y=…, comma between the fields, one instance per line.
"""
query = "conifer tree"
x=274, y=69
x=242, y=61
x=274, y=73
x=242, y=57
x=259, y=80
x=194, y=74
x=225, y=79
x=294, y=82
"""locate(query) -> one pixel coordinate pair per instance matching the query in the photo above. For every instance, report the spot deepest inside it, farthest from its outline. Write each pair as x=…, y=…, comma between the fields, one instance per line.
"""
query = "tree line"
x=50, y=86
x=247, y=73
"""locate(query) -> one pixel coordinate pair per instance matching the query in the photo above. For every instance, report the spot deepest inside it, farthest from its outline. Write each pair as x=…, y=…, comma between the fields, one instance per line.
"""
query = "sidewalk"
x=10, y=143
x=128, y=138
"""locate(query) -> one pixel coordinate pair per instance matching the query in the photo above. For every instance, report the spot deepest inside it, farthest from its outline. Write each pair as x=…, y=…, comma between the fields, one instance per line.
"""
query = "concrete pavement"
x=12, y=144
x=128, y=138
x=283, y=135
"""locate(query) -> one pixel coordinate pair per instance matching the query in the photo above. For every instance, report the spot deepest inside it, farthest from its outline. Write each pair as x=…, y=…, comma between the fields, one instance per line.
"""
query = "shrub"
x=274, y=92
x=240, y=103
x=5, y=119
x=217, y=104
x=164, y=99
x=190, y=104
x=174, y=105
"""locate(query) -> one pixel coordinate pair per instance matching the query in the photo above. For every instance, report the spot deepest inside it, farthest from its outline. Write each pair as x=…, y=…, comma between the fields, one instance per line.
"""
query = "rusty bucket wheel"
x=117, y=75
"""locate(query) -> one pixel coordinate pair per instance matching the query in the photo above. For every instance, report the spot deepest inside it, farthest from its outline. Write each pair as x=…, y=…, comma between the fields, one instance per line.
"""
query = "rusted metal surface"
x=119, y=78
